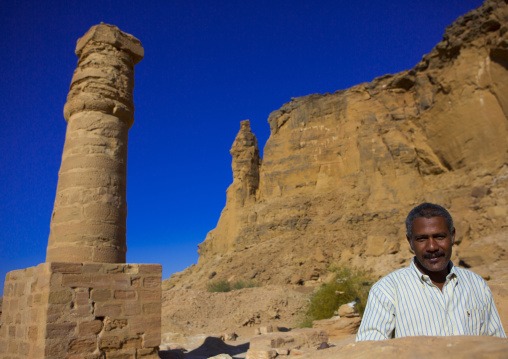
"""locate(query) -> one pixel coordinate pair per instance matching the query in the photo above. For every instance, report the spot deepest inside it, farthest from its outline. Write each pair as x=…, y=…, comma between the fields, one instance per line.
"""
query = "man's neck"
x=437, y=278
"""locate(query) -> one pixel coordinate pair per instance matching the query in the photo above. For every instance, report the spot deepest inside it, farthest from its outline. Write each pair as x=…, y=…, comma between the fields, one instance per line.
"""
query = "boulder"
x=457, y=347
x=339, y=328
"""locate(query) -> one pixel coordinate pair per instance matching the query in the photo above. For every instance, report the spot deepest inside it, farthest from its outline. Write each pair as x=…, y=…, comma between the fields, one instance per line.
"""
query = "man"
x=431, y=296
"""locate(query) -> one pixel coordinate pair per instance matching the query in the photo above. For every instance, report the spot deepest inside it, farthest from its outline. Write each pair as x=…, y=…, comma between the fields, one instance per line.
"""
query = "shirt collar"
x=425, y=278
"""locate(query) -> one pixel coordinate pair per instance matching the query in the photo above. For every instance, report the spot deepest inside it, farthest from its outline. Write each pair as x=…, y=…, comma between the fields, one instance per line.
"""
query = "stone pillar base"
x=82, y=311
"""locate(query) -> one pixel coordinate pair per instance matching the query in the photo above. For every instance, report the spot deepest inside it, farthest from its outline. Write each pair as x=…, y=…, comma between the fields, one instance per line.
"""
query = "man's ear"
x=453, y=235
x=410, y=242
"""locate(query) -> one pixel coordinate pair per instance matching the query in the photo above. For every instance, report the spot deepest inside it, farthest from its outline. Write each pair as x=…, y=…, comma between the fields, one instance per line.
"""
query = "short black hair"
x=427, y=210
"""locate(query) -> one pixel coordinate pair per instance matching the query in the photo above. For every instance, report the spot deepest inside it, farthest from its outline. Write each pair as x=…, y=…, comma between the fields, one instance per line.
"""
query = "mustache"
x=434, y=255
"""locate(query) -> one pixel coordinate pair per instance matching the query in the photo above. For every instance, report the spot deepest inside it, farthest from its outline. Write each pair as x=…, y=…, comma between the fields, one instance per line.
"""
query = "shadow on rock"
x=211, y=346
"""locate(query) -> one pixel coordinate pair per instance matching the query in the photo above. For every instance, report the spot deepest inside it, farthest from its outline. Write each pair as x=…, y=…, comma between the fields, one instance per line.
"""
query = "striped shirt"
x=406, y=303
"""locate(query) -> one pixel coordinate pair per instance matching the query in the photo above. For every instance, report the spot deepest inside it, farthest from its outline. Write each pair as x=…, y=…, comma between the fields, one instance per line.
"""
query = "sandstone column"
x=90, y=211
x=69, y=307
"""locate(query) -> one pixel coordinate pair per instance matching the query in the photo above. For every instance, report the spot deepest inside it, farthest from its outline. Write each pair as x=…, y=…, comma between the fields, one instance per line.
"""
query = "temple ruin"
x=85, y=301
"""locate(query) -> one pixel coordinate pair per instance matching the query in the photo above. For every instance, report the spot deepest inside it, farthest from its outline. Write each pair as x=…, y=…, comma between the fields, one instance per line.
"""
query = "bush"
x=241, y=284
x=355, y=285
x=222, y=285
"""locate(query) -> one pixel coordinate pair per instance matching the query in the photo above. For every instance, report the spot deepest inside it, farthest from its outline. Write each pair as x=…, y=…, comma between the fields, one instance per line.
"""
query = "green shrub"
x=222, y=285
x=355, y=285
x=241, y=284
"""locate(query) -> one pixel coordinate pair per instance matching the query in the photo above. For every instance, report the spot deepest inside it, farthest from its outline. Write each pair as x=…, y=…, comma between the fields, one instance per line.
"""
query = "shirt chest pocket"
x=474, y=321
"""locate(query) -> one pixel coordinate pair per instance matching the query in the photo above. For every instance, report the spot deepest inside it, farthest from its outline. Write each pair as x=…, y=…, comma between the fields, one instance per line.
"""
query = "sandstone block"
x=131, y=309
x=110, y=310
x=148, y=353
x=82, y=345
x=112, y=324
x=100, y=295
x=261, y=354
x=82, y=297
x=77, y=280
x=92, y=268
x=101, y=281
x=264, y=330
x=152, y=309
x=55, y=350
x=115, y=268
x=60, y=330
x=59, y=267
x=136, y=282
x=33, y=333
x=144, y=324
x=20, y=289
x=150, y=269
x=132, y=342
x=13, y=347
x=122, y=354
x=110, y=342
x=60, y=297
x=125, y=294
x=24, y=349
x=13, y=305
x=151, y=339
x=56, y=313
x=149, y=295
x=120, y=281
x=89, y=328
x=274, y=340
x=82, y=312
x=151, y=282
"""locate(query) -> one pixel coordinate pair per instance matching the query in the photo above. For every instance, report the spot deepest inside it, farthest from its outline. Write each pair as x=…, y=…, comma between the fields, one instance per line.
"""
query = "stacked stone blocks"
x=82, y=311
x=23, y=315
x=89, y=218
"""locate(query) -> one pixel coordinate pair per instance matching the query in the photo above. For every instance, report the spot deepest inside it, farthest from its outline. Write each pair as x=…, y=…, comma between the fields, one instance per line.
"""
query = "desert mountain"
x=341, y=171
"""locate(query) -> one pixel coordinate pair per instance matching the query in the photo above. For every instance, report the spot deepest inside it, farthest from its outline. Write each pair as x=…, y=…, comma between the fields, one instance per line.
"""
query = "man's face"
x=432, y=243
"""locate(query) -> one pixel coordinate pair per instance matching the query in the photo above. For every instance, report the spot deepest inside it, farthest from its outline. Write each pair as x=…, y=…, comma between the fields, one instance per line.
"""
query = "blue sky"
x=208, y=65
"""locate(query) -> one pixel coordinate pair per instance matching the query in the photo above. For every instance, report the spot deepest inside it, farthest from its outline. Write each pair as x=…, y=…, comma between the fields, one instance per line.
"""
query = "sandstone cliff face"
x=341, y=171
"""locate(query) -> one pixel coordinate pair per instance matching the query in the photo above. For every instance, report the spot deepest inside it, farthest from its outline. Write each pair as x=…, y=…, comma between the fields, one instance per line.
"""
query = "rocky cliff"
x=340, y=171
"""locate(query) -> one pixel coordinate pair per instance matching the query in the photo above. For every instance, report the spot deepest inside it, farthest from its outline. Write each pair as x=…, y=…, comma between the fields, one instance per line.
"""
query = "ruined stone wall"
x=24, y=315
x=89, y=310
